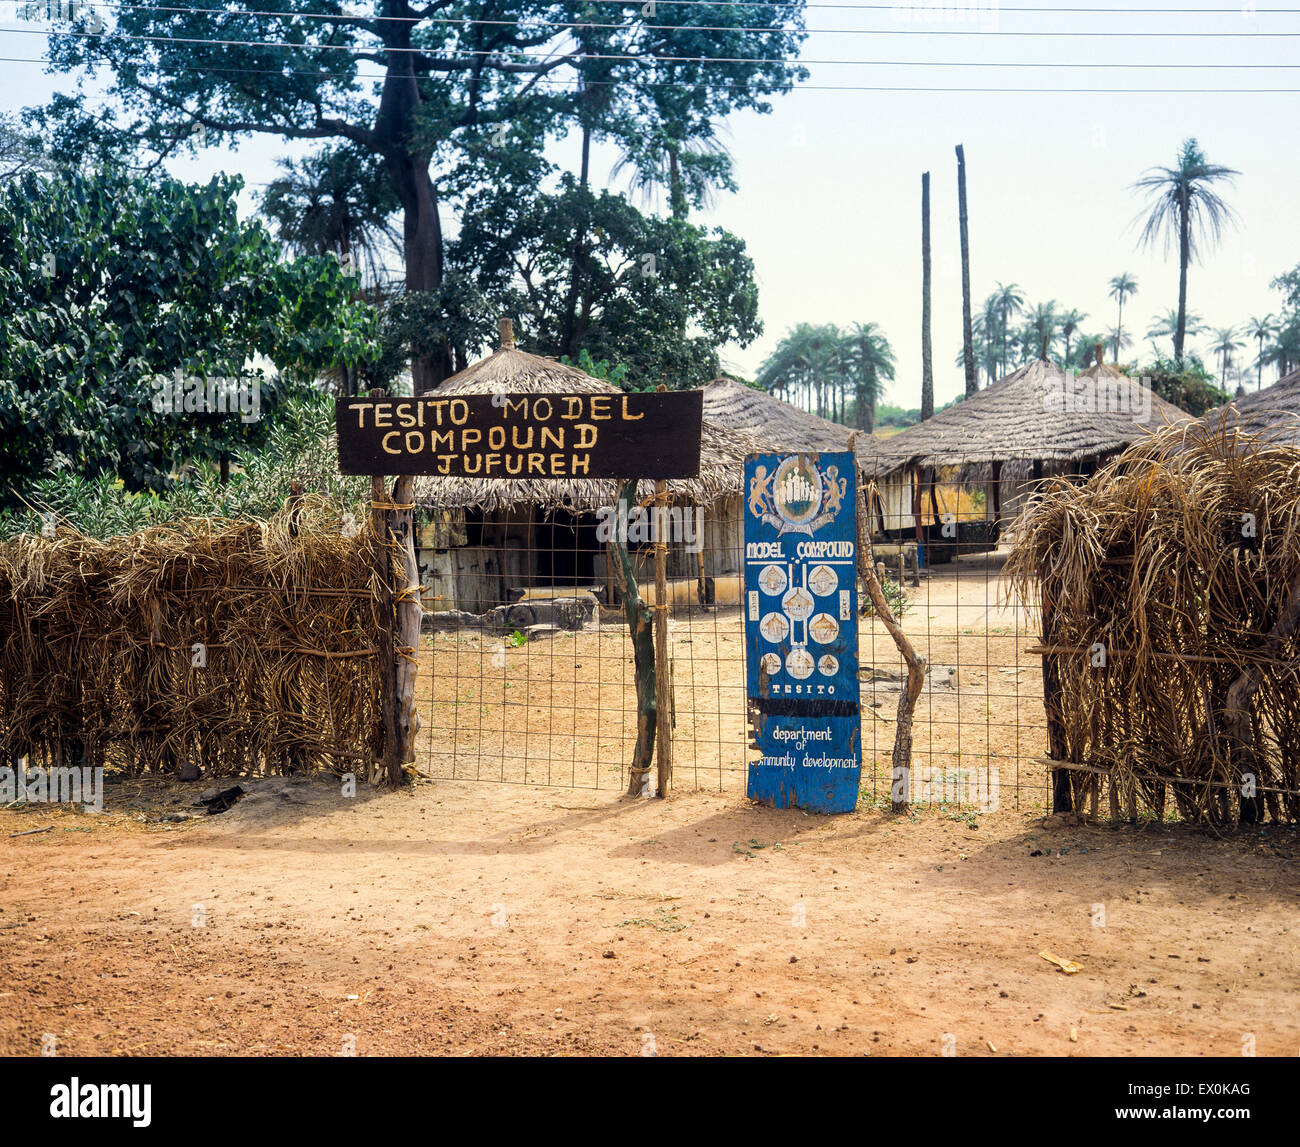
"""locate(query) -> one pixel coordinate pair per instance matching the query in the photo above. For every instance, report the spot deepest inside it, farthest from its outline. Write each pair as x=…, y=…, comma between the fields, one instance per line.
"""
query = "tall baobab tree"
x=1122, y=287
x=1184, y=205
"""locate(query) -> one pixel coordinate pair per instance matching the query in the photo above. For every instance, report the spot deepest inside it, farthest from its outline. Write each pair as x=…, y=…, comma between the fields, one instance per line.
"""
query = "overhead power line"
x=649, y=58
x=556, y=82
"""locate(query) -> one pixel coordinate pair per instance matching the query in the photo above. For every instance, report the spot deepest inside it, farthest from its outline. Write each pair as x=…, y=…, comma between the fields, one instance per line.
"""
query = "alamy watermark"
x=48, y=11
x=59, y=784
x=683, y=525
x=929, y=785
x=177, y=394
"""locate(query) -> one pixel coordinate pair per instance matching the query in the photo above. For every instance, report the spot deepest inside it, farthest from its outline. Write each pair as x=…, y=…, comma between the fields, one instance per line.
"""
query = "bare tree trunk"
x=902, y=756
x=927, y=363
x=1184, y=256
x=967, y=341
x=643, y=649
x=408, y=172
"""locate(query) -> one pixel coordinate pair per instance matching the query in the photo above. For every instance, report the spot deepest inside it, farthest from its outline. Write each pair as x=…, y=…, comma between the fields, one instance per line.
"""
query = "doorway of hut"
x=567, y=549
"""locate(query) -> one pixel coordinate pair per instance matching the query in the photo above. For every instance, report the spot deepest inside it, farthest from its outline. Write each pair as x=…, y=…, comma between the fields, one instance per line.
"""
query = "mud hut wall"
x=500, y=553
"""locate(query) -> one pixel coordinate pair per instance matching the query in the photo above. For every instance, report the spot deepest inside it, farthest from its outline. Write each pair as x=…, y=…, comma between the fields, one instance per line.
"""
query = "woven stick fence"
x=244, y=646
x=1169, y=585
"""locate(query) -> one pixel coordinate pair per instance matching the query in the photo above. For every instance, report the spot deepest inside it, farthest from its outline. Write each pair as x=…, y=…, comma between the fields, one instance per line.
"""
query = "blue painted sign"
x=801, y=629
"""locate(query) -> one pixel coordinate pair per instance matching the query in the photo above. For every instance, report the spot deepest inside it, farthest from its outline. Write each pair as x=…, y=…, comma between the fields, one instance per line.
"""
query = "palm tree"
x=334, y=201
x=1010, y=301
x=1185, y=204
x=1119, y=340
x=1167, y=326
x=808, y=365
x=1285, y=351
x=1085, y=350
x=1042, y=327
x=1259, y=330
x=870, y=360
x=1122, y=286
x=1070, y=322
x=1226, y=343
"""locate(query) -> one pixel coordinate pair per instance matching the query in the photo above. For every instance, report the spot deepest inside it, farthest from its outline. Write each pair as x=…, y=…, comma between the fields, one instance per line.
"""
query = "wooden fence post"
x=1062, y=796
x=385, y=619
x=639, y=625
x=902, y=754
x=409, y=611
x=663, y=672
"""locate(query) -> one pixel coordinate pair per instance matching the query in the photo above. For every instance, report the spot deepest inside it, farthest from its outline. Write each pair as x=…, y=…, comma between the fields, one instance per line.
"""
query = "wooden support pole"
x=409, y=612
x=1062, y=794
x=639, y=625
x=902, y=754
x=385, y=620
x=663, y=672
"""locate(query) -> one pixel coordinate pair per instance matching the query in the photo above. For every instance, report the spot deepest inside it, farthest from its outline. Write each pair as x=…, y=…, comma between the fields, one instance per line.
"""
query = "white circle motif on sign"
x=798, y=604
x=823, y=581
x=799, y=663
x=824, y=629
x=774, y=627
x=772, y=579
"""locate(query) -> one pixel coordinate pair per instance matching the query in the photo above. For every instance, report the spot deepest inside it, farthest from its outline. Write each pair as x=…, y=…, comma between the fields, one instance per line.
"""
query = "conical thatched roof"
x=1035, y=412
x=1273, y=412
x=740, y=407
x=511, y=371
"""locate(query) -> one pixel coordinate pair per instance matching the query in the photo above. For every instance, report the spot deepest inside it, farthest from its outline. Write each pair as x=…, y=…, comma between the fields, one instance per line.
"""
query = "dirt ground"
x=471, y=916
x=475, y=918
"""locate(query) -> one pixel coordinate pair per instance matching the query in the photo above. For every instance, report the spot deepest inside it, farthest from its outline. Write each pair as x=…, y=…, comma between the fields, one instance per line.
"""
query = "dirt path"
x=467, y=918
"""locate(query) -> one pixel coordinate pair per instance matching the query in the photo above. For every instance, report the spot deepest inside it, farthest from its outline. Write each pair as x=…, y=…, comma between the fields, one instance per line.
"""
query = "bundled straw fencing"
x=1169, y=585
x=242, y=646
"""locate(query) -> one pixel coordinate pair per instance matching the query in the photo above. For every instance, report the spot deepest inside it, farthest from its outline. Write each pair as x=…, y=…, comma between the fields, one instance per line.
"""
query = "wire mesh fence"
x=526, y=664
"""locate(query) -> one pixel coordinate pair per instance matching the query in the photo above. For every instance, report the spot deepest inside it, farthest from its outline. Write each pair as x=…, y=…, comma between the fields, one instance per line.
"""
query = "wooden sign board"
x=523, y=435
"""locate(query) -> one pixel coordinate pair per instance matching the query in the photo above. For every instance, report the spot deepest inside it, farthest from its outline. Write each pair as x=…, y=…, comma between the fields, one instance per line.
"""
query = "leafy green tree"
x=113, y=286
x=1187, y=384
x=1184, y=205
x=658, y=296
x=461, y=81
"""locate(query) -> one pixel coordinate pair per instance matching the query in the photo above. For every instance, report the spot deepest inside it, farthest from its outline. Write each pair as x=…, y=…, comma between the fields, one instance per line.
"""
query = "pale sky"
x=829, y=200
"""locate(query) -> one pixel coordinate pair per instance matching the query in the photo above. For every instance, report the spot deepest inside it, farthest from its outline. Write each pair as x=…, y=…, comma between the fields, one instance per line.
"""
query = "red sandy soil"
x=478, y=918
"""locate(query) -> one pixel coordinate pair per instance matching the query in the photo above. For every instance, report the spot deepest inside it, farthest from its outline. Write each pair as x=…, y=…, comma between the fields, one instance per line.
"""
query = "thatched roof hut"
x=1037, y=413
x=1273, y=412
x=739, y=407
x=511, y=371
x=1036, y=421
x=489, y=538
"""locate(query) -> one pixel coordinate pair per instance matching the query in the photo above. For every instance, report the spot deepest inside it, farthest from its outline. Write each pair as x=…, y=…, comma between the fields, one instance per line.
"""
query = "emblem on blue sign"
x=801, y=631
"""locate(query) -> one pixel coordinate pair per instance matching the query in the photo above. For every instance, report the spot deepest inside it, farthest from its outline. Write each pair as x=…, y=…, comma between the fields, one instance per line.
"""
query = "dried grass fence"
x=1169, y=585
x=245, y=646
